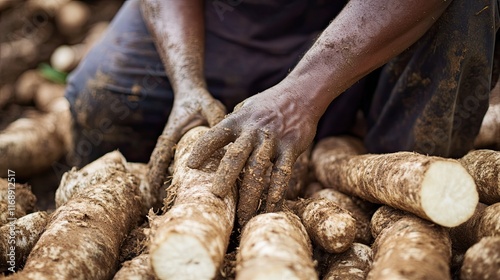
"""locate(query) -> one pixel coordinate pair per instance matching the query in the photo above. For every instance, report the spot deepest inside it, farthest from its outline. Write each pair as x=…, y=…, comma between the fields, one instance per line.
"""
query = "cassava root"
x=329, y=226
x=83, y=237
x=190, y=240
x=275, y=246
x=411, y=248
x=484, y=166
x=433, y=188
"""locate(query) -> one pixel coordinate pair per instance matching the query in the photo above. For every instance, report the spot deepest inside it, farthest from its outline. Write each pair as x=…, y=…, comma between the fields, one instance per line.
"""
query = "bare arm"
x=272, y=128
x=364, y=36
x=178, y=30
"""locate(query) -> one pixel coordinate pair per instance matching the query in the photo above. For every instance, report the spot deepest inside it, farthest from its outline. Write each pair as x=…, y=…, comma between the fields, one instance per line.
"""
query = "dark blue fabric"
x=120, y=96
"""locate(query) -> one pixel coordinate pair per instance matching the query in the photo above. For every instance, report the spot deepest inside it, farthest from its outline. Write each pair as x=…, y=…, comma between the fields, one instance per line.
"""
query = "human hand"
x=268, y=130
x=189, y=110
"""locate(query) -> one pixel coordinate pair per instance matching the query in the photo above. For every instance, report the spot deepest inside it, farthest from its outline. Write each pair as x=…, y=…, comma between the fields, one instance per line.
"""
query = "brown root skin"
x=83, y=238
x=99, y=170
x=411, y=248
x=484, y=166
x=139, y=268
x=275, y=246
x=27, y=85
x=435, y=188
x=74, y=180
x=384, y=218
x=198, y=225
x=151, y=197
x=27, y=231
x=31, y=145
x=353, y=264
x=329, y=226
x=484, y=222
x=300, y=174
x=24, y=201
x=361, y=211
x=482, y=261
x=46, y=93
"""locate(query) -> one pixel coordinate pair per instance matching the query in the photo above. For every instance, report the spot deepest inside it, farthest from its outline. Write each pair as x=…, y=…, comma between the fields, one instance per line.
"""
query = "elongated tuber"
x=353, y=264
x=16, y=200
x=19, y=237
x=385, y=217
x=32, y=144
x=275, y=246
x=411, y=248
x=190, y=240
x=83, y=237
x=360, y=210
x=99, y=170
x=328, y=225
x=138, y=268
x=433, y=188
x=484, y=166
x=482, y=261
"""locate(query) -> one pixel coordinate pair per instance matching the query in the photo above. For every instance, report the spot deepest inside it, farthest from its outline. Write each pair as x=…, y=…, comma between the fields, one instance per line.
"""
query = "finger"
x=280, y=176
x=208, y=143
x=214, y=112
x=159, y=161
x=254, y=181
x=231, y=164
x=164, y=150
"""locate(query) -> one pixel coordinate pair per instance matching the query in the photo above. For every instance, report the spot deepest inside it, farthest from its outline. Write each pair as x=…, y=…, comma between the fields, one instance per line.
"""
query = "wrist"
x=312, y=96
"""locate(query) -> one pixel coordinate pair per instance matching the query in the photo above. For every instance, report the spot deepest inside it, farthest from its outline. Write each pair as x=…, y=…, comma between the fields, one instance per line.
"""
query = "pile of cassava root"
x=391, y=216
x=40, y=43
x=348, y=214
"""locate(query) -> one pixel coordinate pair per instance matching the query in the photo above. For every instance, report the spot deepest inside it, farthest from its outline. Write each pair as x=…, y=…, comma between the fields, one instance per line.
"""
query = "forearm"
x=364, y=36
x=178, y=30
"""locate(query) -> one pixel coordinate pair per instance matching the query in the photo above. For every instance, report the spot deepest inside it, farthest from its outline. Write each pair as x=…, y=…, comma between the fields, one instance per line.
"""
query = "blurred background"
x=41, y=42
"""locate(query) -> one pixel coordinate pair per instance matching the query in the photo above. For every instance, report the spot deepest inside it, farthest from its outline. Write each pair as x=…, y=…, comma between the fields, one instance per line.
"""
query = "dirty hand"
x=189, y=110
x=270, y=129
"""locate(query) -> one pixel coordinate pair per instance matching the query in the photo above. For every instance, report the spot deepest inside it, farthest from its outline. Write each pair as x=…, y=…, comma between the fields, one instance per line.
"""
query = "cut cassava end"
x=434, y=188
x=448, y=200
x=190, y=240
x=16, y=200
x=361, y=211
x=353, y=264
x=411, y=248
x=25, y=231
x=83, y=237
x=328, y=225
x=484, y=166
x=275, y=246
x=482, y=261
